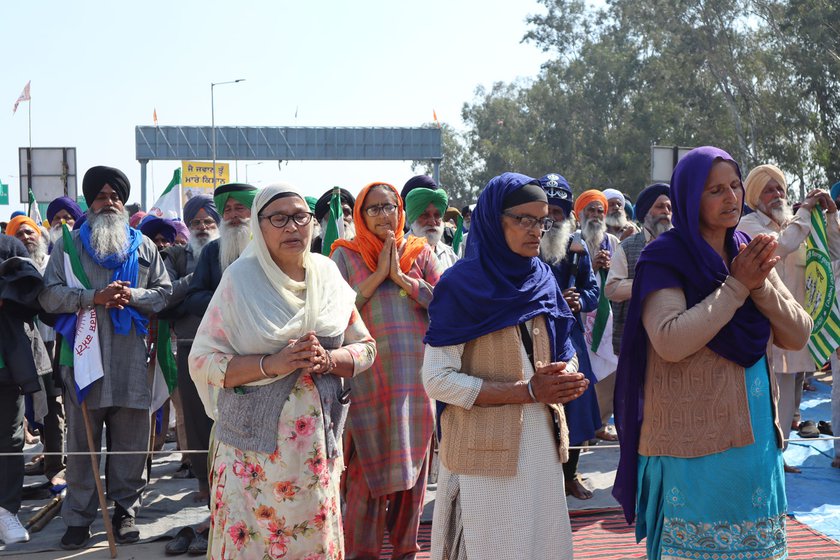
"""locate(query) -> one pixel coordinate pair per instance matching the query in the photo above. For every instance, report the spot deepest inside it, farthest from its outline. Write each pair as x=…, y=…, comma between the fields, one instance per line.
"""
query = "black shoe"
x=125, y=531
x=75, y=538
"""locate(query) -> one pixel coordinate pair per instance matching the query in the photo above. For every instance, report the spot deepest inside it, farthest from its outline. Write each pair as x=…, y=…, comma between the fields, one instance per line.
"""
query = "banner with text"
x=197, y=178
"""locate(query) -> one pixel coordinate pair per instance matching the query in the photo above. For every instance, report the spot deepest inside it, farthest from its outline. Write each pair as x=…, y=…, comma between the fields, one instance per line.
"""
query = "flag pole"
x=106, y=519
x=30, y=123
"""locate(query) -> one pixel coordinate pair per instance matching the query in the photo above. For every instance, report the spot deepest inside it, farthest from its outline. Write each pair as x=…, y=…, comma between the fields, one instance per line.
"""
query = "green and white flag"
x=168, y=206
x=34, y=211
x=820, y=292
x=335, y=222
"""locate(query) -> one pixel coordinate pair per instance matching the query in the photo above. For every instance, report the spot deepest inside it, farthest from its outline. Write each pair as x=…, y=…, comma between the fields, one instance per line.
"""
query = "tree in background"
x=456, y=170
x=759, y=79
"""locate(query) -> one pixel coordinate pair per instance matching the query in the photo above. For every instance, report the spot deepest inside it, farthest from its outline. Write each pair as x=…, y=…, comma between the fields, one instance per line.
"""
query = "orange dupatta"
x=369, y=246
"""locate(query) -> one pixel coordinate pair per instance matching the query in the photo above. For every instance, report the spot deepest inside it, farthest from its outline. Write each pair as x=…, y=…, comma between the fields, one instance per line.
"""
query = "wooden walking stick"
x=109, y=529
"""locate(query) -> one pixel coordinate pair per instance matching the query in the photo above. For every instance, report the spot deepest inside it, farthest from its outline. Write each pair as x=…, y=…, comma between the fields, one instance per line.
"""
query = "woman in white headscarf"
x=279, y=334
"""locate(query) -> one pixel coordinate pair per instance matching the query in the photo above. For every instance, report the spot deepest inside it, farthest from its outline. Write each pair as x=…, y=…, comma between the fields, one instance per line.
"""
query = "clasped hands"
x=115, y=295
x=754, y=262
x=305, y=353
x=388, y=263
x=552, y=384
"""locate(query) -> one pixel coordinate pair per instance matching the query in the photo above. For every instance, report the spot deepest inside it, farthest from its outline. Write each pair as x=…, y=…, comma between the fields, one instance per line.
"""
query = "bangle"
x=262, y=371
x=531, y=392
x=330, y=363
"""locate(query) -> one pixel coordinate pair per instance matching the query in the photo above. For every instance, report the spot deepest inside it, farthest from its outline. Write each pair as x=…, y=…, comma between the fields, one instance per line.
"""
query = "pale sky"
x=98, y=69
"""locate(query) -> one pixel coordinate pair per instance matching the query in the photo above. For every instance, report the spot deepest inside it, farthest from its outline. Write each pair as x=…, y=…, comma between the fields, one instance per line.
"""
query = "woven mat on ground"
x=604, y=535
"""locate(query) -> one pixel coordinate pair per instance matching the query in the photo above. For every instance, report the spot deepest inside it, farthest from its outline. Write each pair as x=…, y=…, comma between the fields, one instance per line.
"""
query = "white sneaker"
x=11, y=531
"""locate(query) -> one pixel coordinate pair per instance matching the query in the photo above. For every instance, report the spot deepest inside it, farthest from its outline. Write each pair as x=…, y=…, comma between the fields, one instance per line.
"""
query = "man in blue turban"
x=62, y=209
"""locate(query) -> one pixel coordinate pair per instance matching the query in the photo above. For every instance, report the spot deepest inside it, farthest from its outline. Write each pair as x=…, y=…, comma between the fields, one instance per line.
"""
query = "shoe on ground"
x=11, y=531
x=125, y=530
x=181, y=543
x=75, y=538
x=199, y=545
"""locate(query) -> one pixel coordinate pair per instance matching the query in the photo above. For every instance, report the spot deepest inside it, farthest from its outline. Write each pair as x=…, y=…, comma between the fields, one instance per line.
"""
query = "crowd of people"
x=331, y=380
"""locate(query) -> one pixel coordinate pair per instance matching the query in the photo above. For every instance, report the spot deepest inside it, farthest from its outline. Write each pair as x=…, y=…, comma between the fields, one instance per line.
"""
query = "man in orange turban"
x=591, y=209
x=25, y=229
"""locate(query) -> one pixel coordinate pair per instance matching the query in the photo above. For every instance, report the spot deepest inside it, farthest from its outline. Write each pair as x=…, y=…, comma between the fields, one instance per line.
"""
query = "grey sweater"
x=248, y=417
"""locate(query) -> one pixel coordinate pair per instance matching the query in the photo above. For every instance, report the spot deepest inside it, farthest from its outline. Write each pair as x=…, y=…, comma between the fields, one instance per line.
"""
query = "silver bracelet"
x=531, y=392
x=262, y=371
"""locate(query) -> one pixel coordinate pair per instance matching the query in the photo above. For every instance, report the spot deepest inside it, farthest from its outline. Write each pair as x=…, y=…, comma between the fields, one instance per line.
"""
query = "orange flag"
x=154, y=116
x=434, y=114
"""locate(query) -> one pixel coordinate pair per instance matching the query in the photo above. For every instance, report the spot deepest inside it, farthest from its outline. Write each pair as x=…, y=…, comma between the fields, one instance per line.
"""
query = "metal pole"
x=436, y=172
x=143, y=163
x=213, y=119
x=213, y=130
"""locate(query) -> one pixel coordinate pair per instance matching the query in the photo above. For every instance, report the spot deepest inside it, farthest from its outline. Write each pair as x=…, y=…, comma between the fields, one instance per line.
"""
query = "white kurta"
x=519, y=517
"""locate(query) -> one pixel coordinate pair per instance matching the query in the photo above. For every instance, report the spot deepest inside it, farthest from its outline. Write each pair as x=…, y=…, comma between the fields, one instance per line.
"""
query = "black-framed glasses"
x=206, y=222
x=527, y=222
x=279, y=220
x=387, y=209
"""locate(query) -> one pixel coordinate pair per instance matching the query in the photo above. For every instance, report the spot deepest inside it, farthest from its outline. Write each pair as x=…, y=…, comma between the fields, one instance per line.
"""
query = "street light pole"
x=247, y=165
x=213, y=120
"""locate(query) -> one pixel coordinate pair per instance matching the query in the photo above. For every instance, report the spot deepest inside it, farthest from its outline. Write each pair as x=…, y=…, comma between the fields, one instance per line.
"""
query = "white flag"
x=24, y=96
x=168, y=206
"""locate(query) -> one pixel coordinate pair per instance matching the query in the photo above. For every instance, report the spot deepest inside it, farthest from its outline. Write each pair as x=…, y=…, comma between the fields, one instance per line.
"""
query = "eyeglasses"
x=280, y=220
x=206, y=222
x=528, y=222
x=387, y=209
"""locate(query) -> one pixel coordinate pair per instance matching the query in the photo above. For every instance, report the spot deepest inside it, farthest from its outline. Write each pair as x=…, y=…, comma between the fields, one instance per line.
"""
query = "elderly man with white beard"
x=128, y=282
x=202, y=218
x=570, y=263
x=322, y=216
x=424, y=209
x=62, y=210
x=234, y=200
x=653, y=209
x=590, y=208
x=616, y=217
x=766, y=193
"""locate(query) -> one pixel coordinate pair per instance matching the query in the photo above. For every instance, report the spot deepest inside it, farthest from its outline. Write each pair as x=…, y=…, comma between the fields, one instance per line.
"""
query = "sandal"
x=607, y=433
x=181, y=543
x=199, y=546
x=808, y=429
x=825, y=428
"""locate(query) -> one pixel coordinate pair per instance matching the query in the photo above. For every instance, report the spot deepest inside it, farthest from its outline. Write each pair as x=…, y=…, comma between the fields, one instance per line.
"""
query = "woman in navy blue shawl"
x=521, y=516
x=679, y=502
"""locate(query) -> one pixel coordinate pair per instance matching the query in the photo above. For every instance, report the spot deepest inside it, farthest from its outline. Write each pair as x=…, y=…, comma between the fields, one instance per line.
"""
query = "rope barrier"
x=597, y=447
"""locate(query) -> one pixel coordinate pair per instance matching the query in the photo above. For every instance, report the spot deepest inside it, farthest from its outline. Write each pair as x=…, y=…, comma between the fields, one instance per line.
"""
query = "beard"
x=199, y=240
x=56, y=232
x=108, y=233
x=780, y=213
x=233, y=240
x=38, y=252
x=555, y=242
x=593, y=232
x=349, y=229
x=617, y=220
x=433, y=234
x=657, y=225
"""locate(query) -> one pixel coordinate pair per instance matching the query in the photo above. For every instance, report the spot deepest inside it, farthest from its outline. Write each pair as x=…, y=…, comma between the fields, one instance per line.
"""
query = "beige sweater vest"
x=485, y=441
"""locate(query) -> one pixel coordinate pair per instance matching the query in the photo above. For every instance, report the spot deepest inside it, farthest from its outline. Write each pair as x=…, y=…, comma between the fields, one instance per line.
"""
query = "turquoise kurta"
x=728, y=505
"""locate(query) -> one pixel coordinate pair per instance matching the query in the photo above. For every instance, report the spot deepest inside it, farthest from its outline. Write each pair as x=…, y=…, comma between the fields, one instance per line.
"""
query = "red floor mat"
x=604, y=535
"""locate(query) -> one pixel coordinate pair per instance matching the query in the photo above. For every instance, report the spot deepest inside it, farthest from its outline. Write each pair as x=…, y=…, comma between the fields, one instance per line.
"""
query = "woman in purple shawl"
x=695, y=406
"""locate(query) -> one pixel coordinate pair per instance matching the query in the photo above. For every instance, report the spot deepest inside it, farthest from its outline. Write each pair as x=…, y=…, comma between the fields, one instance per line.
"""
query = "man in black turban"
x=97, y=177
x=322, y=210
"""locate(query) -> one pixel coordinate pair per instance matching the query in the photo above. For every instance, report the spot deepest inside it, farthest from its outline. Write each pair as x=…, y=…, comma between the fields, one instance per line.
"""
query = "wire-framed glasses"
x=527, y=222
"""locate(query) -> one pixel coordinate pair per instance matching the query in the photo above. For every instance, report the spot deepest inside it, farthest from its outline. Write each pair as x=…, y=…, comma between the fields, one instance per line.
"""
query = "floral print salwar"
x=283, y=505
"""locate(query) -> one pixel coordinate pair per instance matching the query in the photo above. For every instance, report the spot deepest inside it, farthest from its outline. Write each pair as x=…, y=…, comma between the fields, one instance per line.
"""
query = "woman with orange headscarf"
x=389, y=428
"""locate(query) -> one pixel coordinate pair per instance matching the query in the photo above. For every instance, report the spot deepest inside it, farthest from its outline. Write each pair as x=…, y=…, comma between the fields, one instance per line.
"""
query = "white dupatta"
x=257, y=308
